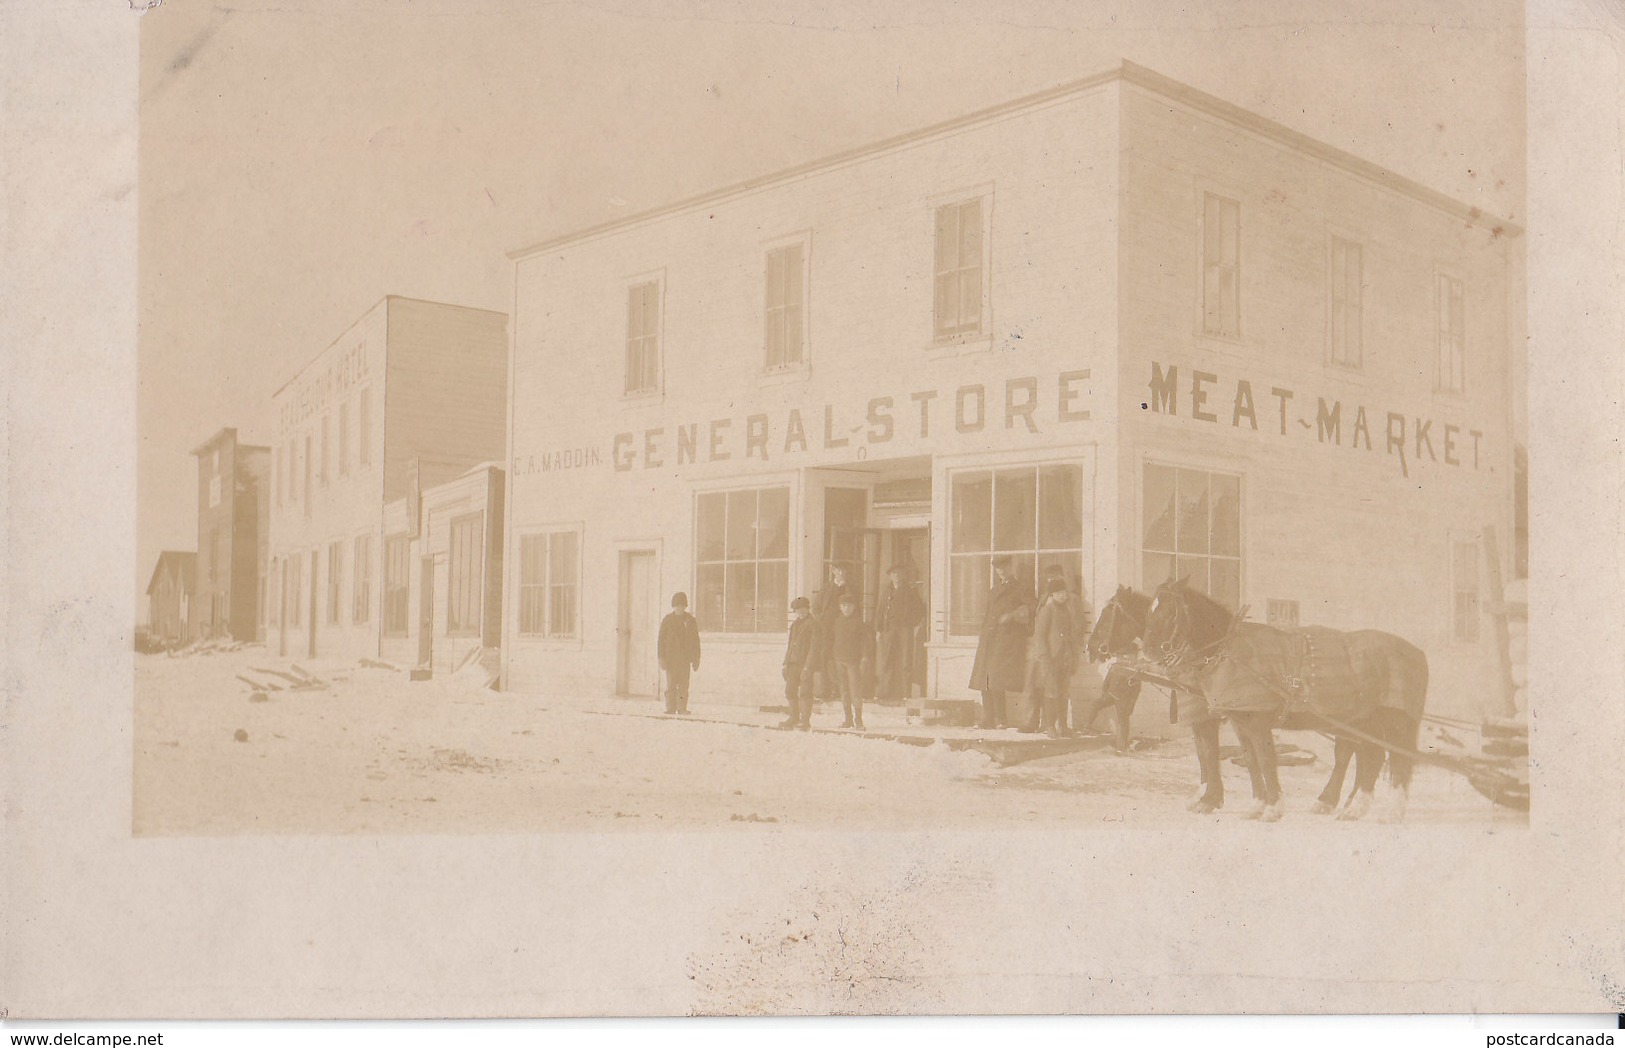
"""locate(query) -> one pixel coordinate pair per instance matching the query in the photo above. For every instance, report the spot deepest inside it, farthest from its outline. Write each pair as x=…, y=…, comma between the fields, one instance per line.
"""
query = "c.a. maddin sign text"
x=1212, y=401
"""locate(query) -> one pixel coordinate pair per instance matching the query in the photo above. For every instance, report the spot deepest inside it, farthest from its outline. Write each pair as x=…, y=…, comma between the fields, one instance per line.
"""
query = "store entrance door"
x=868, y=554
x=637, y=673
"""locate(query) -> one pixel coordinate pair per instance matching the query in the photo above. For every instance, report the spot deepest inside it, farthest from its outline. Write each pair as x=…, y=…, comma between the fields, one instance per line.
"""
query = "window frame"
x=1443, y=276
x=545, y=587
x=295, y=599
x=1456, y=541
x=361, y=579
x=803, y=241
x=1338, y=356
x=962, y=631
x=403, y=591
x=656, y=384
x=1210, y=469
x=363, y=421
x=1203, y=330
x=766, y=625
x=335, y=580
x=344, y=437
x=983, y=197
x=472, y=587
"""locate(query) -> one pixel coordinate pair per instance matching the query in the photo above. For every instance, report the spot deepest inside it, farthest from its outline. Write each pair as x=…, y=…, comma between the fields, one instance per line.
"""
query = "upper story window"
x=1452, y=375
x=1347, y=279
x=643, y=337
x=1221, y=266
x=344, y=438
x=961, y=290
x=786, y=312
x=363, y=423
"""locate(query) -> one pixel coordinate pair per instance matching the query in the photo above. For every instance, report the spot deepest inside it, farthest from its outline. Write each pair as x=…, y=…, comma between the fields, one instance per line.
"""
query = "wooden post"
x=1499, y=612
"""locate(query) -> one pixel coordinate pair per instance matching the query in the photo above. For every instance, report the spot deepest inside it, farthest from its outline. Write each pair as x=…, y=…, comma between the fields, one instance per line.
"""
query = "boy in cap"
x=798, y=656
x=849, y=639
x=679, y=650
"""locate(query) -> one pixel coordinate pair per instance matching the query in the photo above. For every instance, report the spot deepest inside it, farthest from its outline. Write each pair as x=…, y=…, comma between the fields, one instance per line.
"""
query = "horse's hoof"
x=1358, y=807
x=1204, y=805
x=1271, y=813
x=1322, y=808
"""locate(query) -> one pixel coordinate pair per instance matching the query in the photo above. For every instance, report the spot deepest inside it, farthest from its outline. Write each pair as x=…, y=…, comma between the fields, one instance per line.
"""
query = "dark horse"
x=1118, y=636
x=1367, y=688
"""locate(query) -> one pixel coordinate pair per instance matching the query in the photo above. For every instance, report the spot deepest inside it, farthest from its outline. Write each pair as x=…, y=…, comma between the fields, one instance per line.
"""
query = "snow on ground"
x=376, y=753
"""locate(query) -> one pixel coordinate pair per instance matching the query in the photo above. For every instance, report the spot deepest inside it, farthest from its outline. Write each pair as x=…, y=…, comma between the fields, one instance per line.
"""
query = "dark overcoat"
x=1001, y=650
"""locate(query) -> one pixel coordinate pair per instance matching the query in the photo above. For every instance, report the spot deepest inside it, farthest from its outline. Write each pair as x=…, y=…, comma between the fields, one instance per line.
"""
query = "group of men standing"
x=1025, y=645
x=1029, y=646
x=834, y=640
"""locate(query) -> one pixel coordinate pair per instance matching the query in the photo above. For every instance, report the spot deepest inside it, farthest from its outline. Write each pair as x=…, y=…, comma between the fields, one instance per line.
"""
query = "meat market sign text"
x=1207, y=398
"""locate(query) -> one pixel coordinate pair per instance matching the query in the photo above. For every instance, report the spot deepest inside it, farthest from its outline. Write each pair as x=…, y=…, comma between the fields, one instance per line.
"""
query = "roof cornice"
x=1125, y=72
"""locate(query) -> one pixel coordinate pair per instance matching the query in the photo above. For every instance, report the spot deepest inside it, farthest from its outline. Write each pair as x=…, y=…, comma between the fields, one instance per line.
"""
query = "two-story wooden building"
x=233, y=523
x=1122, y=328
x=412, y=395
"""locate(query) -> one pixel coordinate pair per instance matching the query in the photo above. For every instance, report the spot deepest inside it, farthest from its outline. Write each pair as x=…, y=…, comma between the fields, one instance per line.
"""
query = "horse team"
x=1365, y=688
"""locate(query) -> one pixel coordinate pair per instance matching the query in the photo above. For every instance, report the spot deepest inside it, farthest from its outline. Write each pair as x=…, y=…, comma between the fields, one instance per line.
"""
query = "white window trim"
x=1440, y=273
x=1453, y=539
x=541, y=641
x=775, y=374
x=374, y=612
x=941, y=626
x=959, y=345
x=1233, y=194
x=1333, y=235
x=658, y=390
x=1207, y=464
x=758, y=482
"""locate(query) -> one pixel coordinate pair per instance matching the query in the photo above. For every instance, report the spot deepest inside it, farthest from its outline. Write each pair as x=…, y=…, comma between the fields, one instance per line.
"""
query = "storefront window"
x=1193, y=531
x=742, y=560
x=1034, y=514
x=547, y=584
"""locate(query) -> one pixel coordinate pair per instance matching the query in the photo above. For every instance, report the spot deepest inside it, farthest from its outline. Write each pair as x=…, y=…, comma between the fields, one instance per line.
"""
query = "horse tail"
x=1409, y=674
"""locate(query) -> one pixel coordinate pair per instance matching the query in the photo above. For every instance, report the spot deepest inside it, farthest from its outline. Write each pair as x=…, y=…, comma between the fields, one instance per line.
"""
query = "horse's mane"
x=1200, y=604
x=1133, y=601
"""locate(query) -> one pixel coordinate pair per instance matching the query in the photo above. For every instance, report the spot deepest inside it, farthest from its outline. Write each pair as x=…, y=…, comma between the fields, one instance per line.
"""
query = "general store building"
x=411, y=396
x=1122, y=328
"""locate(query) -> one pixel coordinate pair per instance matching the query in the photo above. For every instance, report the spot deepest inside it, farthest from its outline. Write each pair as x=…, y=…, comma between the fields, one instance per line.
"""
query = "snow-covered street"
x=375, y=753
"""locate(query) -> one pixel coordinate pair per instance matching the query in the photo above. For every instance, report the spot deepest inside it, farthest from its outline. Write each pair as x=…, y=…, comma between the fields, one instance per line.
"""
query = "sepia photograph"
x=1044, y=480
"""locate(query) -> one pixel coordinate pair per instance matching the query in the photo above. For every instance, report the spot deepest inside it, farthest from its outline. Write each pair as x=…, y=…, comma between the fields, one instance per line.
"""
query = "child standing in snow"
x=679, y=650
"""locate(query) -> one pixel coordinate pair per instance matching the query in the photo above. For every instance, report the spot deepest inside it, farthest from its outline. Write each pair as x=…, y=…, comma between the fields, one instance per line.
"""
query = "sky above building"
x=299, y=160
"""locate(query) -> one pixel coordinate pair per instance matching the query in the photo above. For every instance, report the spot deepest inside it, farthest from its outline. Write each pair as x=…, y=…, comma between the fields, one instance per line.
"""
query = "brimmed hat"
x=679, y=600
x=847, y=598
x=799, y=603
x=1056, y=585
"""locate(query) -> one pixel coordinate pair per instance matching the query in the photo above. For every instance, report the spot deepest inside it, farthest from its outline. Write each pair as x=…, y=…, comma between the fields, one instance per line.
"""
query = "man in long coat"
x=1001, y=650
x=897, y=614
x=825, y=611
